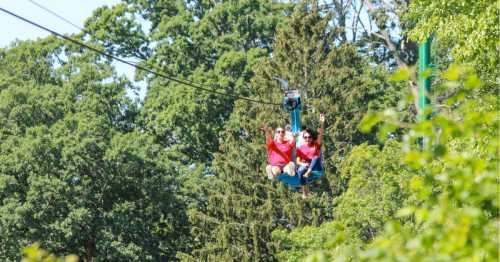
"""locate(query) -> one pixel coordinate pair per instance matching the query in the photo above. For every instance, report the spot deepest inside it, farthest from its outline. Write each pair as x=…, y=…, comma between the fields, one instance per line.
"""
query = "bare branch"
x=356, y=20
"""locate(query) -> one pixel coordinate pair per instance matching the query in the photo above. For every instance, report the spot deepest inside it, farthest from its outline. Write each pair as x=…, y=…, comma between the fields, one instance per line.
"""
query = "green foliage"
x=470, y=29
x=456, y=214
x=211, y=42
x=296, y=244
x=119, y=32
x=85, y=171
x=332, y=79
x=453, y=212
x=377, y=185
x=75, y=173
x=223, y=224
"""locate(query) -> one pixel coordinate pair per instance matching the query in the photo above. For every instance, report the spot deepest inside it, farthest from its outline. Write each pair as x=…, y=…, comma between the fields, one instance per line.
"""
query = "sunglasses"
x=280, y=131
x=307, y=137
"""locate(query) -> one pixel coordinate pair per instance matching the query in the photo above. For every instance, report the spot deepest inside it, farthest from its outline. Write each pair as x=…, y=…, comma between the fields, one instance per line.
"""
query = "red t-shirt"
x=306, y=152
x=279, y=153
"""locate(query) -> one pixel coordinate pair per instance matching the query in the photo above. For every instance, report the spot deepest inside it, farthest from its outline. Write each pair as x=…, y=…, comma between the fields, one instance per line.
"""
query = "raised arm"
x=321, y=128
x=268, y=132
x=291, y=139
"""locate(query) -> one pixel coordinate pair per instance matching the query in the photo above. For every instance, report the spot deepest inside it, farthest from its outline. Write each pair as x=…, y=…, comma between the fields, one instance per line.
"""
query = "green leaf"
x=426, y=73
x=369, y=121
x=421, y=215
x=401, y=74
x=472, y=81
x=405, y=212
x=416, y=183
x=439, y=150
x=453, y=73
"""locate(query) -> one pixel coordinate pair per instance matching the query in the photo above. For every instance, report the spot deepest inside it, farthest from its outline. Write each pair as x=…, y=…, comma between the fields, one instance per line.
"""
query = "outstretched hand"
x=264, y=127
x=322, y=118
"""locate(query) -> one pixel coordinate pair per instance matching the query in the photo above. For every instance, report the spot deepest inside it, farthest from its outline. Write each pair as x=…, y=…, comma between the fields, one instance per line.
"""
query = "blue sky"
x=75, y=11
x=13, y=28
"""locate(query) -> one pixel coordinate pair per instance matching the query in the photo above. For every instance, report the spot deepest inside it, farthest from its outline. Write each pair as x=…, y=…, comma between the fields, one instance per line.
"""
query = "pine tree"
x=240, y=207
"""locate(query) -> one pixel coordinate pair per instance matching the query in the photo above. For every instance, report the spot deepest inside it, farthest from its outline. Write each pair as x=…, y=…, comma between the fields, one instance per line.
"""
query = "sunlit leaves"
x=400, y=74
x=453, y=73
x=369, y=121
x=468, y=29
x=34, y=253
x=450, y=152
x=453, y=156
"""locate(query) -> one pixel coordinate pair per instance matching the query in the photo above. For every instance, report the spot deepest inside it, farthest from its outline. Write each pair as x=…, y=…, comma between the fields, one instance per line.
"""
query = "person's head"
x=309, y=136
x=280, y=133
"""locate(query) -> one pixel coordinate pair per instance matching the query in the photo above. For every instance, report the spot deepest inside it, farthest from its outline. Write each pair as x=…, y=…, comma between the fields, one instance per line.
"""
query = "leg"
x=314, y=166
x=305, y=191
x=301, y=170
x=276, y=170
x=290, y=169
x=303, y=180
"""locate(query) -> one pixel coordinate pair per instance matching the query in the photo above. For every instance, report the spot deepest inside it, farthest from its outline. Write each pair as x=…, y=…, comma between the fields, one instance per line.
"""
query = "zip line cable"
x=57, y=15
x=180, y=81
x=140, y=59
x=82, y=29
x=185, y=82
x=135, y=56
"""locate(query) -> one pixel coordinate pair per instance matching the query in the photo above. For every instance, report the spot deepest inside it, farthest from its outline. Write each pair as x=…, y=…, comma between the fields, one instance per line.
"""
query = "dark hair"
x=313, y=133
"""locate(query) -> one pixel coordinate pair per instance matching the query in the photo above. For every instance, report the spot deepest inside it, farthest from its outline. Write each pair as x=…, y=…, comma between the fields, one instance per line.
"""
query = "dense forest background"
x=179, y=176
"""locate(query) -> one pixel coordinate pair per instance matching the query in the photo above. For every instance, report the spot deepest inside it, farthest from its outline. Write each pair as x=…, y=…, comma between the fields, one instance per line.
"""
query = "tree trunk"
x=396, y=53
x=90, y=249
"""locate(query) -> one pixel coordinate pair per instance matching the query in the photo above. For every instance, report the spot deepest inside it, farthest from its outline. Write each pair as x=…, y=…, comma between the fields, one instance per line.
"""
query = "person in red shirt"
x=279, y=152
x=309, y=154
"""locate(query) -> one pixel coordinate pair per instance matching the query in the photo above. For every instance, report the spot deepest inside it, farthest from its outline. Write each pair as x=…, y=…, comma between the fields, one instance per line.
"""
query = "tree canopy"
x=87, y=171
